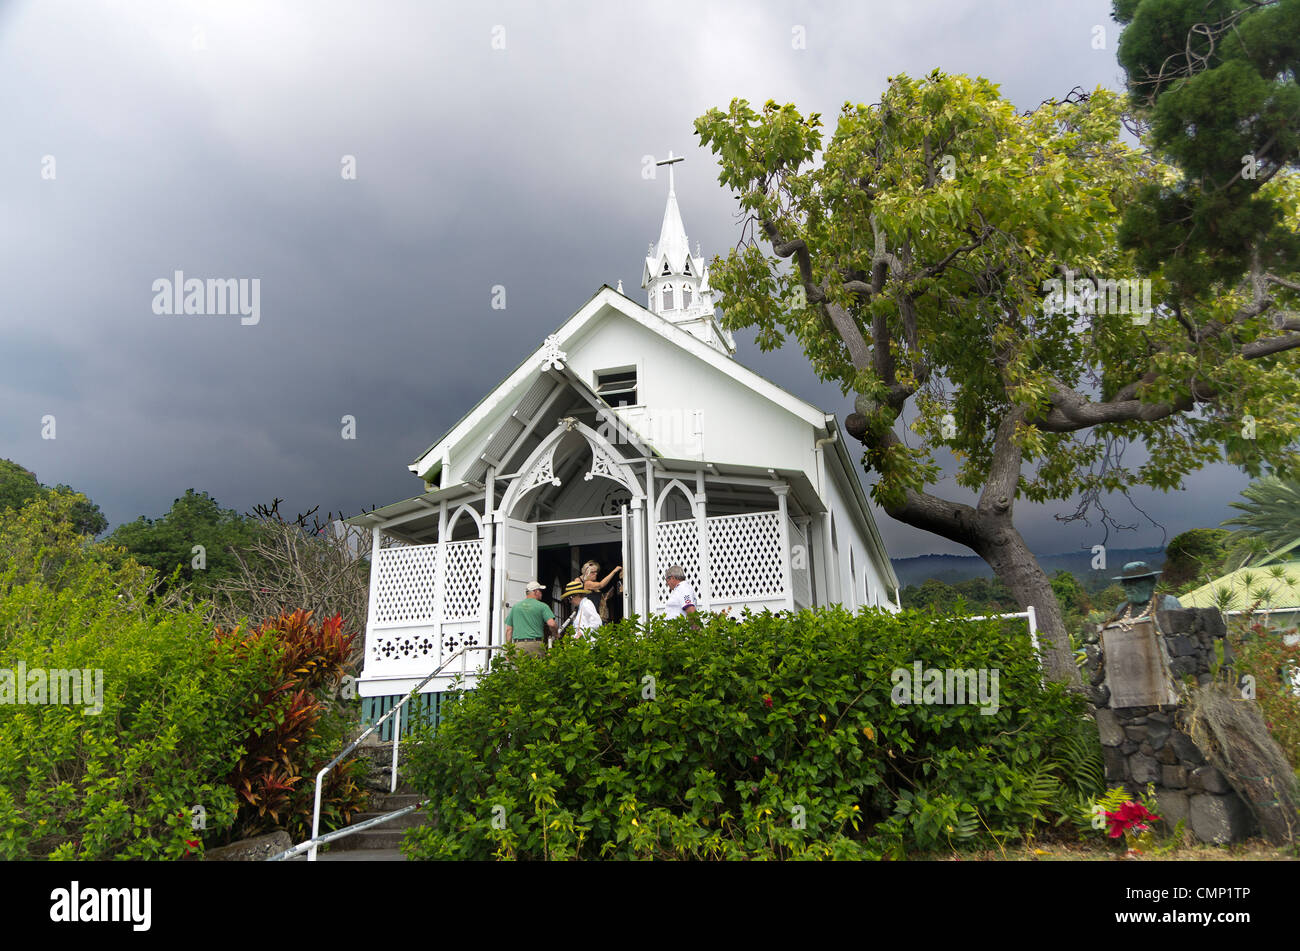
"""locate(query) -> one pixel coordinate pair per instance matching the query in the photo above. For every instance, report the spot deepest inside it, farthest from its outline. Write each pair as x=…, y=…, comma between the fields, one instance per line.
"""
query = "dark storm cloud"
x=208, y=138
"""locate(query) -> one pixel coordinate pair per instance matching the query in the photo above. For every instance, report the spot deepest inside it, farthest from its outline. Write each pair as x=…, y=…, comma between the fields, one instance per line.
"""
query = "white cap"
x=534, y=586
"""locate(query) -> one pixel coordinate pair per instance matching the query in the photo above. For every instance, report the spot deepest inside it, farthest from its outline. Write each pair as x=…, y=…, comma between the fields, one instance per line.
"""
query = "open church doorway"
x=559, y=564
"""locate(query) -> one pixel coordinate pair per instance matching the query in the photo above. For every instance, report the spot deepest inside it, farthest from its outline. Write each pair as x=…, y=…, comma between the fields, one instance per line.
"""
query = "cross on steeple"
x=670, y=162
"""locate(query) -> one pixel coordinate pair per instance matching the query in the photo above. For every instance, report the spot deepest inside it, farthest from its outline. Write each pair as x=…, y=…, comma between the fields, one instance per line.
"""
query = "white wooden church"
x=630, y=437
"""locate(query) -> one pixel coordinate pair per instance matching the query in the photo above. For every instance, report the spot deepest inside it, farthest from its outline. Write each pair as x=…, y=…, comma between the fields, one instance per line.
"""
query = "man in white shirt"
x=681, y=596
x=587, y=619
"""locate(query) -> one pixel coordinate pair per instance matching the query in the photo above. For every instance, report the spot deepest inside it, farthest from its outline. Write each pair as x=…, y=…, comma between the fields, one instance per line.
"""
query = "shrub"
x=292, y=732
x=121, y=783
x=186, y=718
x=771, y=737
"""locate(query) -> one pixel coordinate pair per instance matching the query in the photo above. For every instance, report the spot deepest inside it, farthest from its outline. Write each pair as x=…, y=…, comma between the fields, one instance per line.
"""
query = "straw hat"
x=575, y=587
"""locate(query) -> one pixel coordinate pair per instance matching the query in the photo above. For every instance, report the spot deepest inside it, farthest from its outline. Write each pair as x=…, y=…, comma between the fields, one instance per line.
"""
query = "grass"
x=1252, y=850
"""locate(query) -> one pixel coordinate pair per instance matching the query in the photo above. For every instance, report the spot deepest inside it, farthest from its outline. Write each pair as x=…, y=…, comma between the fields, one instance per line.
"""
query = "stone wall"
x=1143, y=745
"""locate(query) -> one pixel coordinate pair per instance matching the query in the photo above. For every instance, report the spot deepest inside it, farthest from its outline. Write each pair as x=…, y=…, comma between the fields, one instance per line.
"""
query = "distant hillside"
x=954, y=568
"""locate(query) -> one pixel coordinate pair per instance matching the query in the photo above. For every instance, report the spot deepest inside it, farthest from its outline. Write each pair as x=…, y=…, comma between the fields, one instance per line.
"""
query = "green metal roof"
x=1266, y=587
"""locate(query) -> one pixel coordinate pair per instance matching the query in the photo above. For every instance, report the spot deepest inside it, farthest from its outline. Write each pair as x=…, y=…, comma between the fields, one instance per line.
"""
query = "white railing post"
x=315, y=814
x=397, y=740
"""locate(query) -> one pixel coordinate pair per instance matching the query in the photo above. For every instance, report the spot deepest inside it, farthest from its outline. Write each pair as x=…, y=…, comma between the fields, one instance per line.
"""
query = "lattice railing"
x=389, y=649
x=800, y=558
x=677, y=543
x=462, y=600
x=404, y=586
x=746, y=562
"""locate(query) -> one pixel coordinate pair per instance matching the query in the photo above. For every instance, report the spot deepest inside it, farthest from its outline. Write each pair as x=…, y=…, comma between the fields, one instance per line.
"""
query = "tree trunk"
x=987, y=529
x=1015, y=566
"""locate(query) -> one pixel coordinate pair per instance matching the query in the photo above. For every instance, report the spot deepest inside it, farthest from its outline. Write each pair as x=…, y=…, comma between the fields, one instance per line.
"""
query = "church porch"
x=439, y=567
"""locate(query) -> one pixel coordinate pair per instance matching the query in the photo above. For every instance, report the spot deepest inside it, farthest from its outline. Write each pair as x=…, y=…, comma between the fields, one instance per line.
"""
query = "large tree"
x=1213, y=83
x=18, y=486
x=914, y=258
x=169, y=542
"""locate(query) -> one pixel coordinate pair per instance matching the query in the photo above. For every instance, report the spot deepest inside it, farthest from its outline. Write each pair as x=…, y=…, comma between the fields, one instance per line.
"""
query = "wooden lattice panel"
x=405, y=584
x=745, y=557
x=677, y=543
x=462, y=600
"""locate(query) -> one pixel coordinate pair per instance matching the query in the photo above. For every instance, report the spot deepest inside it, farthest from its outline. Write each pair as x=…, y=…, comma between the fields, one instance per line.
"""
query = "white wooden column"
x=787, y=573
x=705, y=581
x=487, y=606
x=376, y=536
x=649, y=578
x=638, y=556
x=440, y=579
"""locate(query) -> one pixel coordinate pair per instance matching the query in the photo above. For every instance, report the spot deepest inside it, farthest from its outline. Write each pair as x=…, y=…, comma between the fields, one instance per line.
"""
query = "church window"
x=668, y=297
x=688, y=266
x=686, y=295
x=617, y=386
x=665, y=270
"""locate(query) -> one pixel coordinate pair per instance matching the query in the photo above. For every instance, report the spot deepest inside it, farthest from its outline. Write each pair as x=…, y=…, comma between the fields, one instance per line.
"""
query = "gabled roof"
x=529, y=384
x=526, y=372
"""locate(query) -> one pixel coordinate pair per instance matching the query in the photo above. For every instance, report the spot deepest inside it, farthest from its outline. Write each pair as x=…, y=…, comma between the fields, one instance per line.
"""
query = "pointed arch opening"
x=676, y=502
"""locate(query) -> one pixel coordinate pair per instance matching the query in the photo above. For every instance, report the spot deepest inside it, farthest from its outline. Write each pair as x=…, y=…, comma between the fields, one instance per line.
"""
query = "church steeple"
x=677, y=282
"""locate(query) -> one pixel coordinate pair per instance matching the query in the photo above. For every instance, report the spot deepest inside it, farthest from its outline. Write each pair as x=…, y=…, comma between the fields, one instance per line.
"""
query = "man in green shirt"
x=529, y=620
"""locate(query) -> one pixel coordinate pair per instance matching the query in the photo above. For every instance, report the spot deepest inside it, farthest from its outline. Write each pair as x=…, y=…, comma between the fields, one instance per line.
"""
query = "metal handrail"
x=396, y=713
x=346, y=831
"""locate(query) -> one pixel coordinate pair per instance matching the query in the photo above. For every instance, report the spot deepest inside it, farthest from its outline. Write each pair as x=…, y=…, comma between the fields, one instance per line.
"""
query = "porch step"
x=408, y=821
x=388, y=836
x=364, y=855
x=391, y=802
x=370, y=840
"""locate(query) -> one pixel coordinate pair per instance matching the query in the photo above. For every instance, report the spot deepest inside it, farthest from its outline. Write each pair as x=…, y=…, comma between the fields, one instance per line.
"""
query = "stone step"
x=356, y=855
x=408, y=821
x=363, y=855
x=379, y=837
x=390, y=802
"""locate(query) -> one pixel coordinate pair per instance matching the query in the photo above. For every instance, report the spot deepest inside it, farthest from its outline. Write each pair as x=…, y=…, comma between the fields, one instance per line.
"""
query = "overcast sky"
x=209, y=138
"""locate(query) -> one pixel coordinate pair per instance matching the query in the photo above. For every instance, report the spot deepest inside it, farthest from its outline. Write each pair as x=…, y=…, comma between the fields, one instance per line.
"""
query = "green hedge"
x=121, y=782
x=771, y=737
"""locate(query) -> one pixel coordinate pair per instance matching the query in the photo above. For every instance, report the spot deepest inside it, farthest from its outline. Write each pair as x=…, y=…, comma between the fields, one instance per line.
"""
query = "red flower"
x=1131, y=815
x=754, y=758
x=767, y=700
